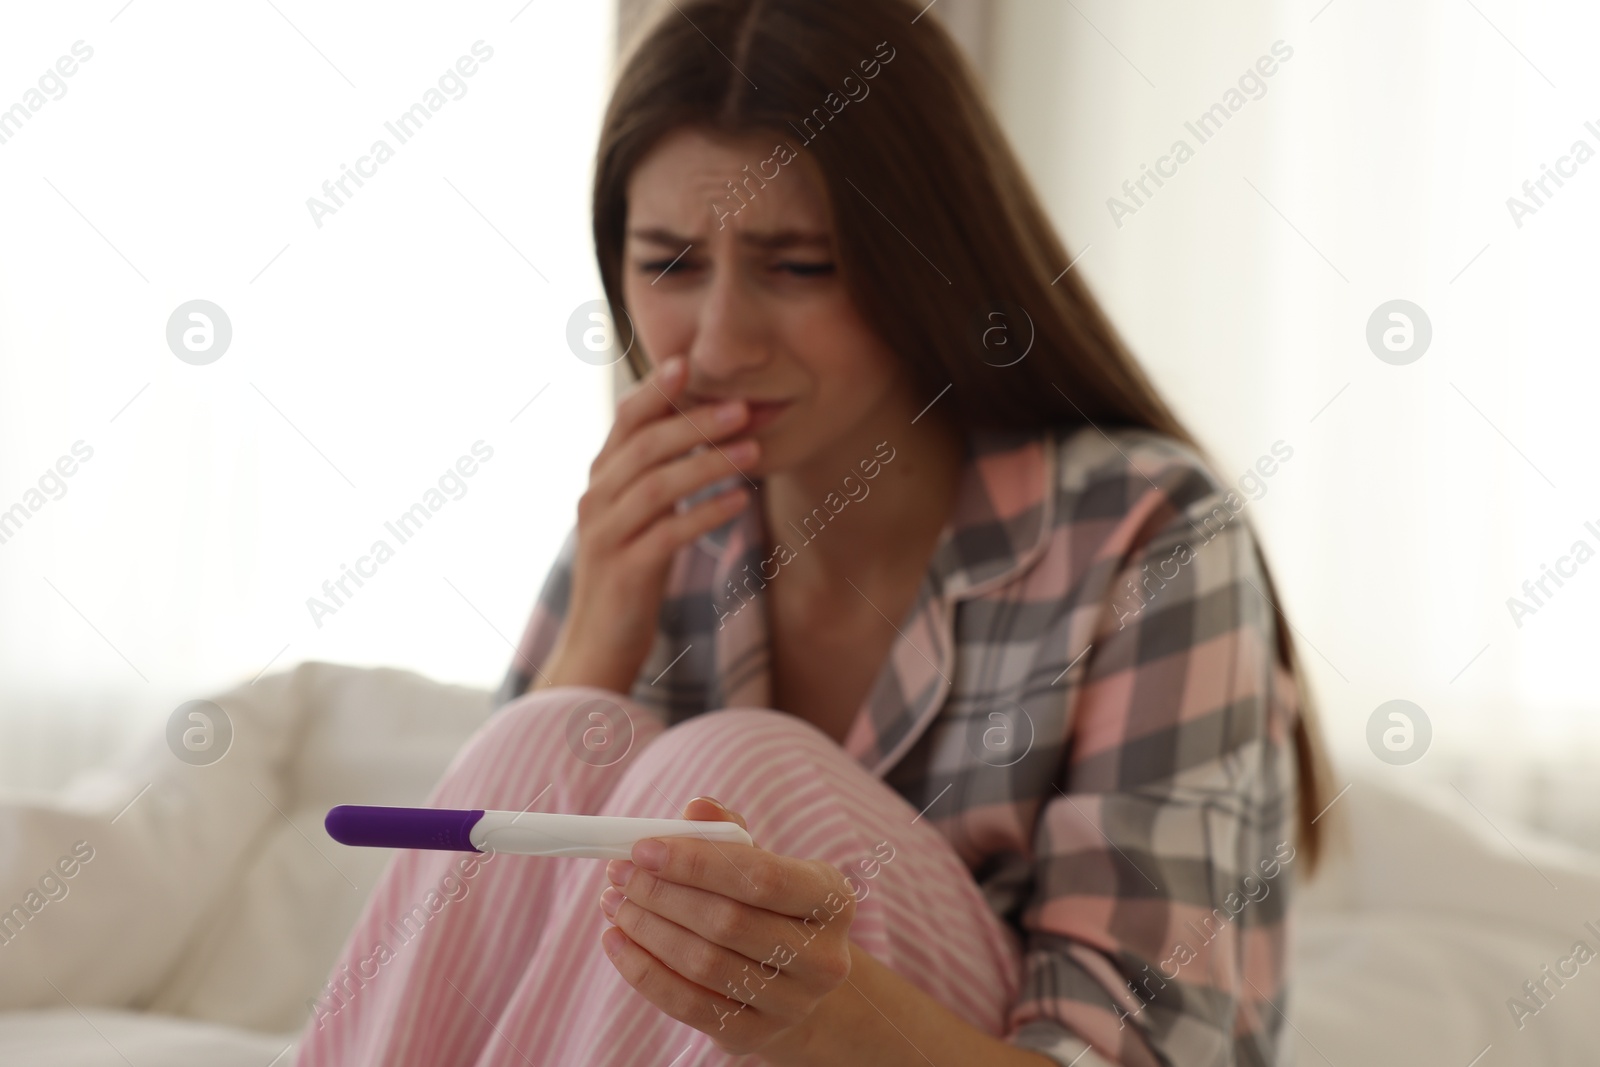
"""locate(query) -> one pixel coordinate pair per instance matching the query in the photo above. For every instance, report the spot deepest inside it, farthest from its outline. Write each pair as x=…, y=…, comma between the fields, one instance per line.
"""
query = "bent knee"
x=740, y=729
x=578, y=736
x=577, y=719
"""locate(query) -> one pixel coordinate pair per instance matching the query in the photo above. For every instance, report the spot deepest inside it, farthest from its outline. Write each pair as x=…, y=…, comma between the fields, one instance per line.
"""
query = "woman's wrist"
x=878, y=1017
x=800, y=1045
x=563, y=667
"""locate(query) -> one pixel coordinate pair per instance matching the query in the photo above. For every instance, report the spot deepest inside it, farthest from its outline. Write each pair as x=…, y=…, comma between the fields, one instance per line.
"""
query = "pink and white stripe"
x=507, y=967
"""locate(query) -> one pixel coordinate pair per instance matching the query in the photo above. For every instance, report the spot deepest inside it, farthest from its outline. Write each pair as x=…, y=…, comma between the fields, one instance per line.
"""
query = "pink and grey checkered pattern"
x=1086, y=701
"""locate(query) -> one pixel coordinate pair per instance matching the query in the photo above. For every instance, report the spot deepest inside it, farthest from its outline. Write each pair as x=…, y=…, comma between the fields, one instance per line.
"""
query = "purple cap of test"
x=377, y=827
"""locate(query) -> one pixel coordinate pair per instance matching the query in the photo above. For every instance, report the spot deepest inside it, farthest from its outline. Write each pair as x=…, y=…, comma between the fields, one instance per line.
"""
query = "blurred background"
x=375, y=344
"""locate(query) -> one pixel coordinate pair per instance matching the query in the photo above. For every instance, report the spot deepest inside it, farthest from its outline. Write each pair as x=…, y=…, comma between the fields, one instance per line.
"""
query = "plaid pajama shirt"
x=1086, y=700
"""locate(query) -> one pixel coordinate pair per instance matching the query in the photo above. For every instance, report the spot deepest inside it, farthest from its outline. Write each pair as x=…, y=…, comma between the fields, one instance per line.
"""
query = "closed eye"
x=800, y=270
x=807, y=270
x=665, y=266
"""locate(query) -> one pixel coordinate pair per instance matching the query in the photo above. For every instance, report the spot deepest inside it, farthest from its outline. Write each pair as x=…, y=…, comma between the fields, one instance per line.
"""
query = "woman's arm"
x=1156, y=924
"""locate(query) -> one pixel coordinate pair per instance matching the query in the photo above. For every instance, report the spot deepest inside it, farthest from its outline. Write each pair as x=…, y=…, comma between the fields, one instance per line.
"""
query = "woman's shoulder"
x=1090, y=456
x=1111, y=470
x=1128, y=492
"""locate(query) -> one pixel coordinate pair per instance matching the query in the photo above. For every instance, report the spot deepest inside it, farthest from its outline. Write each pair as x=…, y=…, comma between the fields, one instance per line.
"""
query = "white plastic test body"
x=518, y=833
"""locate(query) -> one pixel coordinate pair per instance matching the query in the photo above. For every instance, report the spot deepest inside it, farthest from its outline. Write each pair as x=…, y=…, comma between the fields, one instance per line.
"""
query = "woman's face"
x=749, y=292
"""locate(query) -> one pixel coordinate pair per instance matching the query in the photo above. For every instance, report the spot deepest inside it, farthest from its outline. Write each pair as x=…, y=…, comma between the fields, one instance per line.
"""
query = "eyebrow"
x=778, y=239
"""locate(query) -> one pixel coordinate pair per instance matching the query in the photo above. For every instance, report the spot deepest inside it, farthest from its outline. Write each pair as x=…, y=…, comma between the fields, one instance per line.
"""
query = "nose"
x=730, y=337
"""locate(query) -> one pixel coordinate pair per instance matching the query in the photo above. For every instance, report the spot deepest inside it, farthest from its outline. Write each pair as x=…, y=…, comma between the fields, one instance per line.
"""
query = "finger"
x=666, y=437
x=701, y=961
x=663, y=539
x=673, y=994
x=660, y=393
x=754, y=933
x=710, y=809
x=748, y=874
x=655, y=493
x=649, y=398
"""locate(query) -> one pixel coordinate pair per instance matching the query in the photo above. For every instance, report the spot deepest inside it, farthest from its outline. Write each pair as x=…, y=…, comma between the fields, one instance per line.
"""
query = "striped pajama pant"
x=495, y=960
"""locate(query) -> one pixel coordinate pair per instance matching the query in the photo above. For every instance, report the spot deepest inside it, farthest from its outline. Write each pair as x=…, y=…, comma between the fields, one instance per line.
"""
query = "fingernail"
x=650, y=854
x=713, y=801
x=611, y=941
x=619, y=871
x=672, y=367
x=730, y=413
x=738, y=453
x=610, y=901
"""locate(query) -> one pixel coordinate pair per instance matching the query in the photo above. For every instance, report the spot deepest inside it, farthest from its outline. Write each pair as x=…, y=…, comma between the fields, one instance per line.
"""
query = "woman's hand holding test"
x=734, y=940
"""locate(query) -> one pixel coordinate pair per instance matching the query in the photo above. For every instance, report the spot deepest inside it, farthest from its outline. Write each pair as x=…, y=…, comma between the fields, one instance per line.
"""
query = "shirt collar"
x=999, y=525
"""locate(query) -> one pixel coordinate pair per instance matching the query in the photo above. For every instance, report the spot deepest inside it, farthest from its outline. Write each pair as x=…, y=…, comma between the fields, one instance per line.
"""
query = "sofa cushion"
x=216, y=893
x=374, y=736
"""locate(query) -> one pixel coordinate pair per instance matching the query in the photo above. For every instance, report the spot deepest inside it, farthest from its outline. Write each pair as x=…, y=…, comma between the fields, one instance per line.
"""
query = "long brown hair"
x=934, y=218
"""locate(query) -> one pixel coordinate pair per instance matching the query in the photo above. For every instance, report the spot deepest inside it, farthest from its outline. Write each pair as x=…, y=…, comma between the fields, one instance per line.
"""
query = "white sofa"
x=212, y=907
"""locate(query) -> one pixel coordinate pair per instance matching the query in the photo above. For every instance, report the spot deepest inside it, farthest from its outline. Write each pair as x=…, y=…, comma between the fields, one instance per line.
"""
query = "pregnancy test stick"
x=518, y=833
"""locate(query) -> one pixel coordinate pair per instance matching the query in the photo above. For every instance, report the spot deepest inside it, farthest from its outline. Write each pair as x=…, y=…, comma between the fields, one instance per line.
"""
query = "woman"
x=894, y=551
